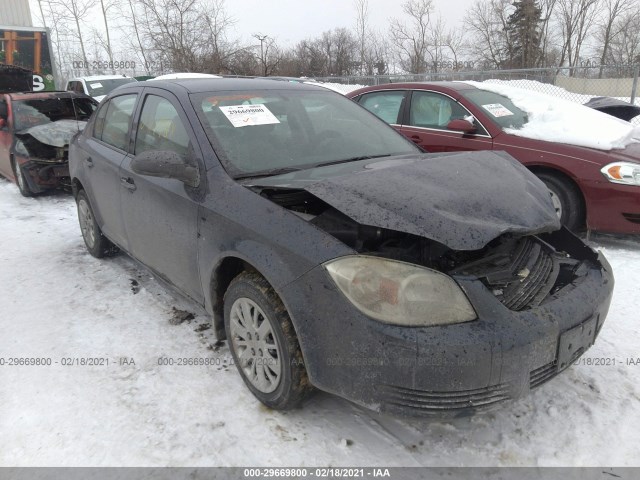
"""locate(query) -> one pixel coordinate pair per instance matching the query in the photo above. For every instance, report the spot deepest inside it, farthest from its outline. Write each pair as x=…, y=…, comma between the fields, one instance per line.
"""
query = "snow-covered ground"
x=58, y=302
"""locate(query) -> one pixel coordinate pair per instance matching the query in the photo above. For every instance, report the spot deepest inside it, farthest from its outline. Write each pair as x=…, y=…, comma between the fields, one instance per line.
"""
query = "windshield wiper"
x=268, y=173
x=352, y=159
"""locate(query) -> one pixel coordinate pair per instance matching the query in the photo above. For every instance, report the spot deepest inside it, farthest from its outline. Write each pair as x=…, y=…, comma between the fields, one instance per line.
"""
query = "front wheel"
x=263, y=343
x=97, y=244
x=566, y=200
x=21, y=181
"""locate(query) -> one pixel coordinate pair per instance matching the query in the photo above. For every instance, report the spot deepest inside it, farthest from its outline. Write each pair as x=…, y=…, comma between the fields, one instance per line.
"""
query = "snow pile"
x=558, y=120
x=59, y=302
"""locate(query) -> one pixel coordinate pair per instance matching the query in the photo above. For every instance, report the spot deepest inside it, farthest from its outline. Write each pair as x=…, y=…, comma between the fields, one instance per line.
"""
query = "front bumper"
x=612, y=208
x=45, y=175
x=449, y=370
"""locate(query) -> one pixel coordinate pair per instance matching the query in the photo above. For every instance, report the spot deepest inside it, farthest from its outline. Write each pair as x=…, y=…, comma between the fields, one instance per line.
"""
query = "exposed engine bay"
x=522, y=271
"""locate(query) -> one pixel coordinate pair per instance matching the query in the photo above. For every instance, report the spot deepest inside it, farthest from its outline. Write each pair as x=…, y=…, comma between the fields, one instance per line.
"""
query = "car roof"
x=99, y=77
x=417, y=85
x=200, y=85
x=45, y=94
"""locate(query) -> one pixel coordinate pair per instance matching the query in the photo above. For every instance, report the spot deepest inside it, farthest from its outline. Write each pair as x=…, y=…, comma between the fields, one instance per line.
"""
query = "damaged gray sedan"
x=334, y=254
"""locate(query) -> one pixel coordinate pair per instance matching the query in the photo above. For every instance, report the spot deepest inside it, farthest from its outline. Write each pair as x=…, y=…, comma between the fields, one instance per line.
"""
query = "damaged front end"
x=43, y=153
x=521, y=270
x=538, y=295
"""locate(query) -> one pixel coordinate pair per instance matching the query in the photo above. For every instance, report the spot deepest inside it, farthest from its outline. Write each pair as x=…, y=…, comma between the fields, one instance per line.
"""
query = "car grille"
x=424, y=401
x=540, y=375
x=520, y=274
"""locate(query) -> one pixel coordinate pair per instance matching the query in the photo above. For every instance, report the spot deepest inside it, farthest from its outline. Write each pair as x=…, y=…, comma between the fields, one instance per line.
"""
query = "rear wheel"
x=566, y=200
x=21, y=181
x=263, y=343
x=97, y=244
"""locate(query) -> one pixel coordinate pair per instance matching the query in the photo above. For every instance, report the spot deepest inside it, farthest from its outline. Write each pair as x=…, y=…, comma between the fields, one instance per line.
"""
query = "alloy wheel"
x=255, y=345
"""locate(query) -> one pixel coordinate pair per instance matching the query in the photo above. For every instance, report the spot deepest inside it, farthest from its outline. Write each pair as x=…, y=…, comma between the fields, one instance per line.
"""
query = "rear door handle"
x=128, y=183
x=89, y=162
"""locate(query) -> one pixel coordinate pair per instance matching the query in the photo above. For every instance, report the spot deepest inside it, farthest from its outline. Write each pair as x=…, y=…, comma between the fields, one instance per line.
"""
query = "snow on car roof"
x=99, y=77
x=557, y=120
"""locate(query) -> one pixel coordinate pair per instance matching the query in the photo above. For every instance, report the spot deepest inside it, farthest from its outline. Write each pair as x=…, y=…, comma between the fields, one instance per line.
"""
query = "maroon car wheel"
x=21, y=181
x=566, y=200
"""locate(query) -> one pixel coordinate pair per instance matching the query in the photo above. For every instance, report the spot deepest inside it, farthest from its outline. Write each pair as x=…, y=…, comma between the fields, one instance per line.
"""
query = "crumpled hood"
x=56, y=134
x=462, y=200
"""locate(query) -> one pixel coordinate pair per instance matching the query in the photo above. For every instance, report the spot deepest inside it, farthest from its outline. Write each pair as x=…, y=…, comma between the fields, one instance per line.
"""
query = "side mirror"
x=461, y=125
x=166, y=164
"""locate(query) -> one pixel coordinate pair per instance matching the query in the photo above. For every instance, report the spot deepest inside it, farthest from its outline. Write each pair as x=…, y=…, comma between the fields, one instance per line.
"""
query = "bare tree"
x=625, y=46
x=106, y=6
x=612, y=10
x=576, y=18
x=189, y=35
x=411, y=41
x=269, y=54
x=76, y=11
x=486, y=22
x=547, y=8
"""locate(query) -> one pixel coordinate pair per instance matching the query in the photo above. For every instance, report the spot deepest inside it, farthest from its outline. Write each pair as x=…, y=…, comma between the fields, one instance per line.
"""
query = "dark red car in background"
x=596, y=189
x=35, y=131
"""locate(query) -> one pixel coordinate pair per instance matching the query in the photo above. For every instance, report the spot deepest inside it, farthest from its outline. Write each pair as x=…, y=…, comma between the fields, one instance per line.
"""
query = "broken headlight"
x=626, y=173
x=400, y=293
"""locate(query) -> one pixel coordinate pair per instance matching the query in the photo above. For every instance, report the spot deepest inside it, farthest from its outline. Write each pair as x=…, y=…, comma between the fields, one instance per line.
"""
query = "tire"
x=98, y=245
x=21, y=181
x=271, y=366
x=566, y=199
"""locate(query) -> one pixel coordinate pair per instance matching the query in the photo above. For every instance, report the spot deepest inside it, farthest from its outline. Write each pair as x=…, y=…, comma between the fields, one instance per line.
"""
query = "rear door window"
x=113, y=120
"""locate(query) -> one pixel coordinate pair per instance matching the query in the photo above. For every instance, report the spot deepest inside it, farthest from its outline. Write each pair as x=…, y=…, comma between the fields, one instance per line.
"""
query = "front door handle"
x=415, y=138
x=128, y=183
x=89, y=162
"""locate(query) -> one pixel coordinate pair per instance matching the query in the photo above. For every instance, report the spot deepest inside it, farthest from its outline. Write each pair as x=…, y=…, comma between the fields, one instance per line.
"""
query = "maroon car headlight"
x=626, y=173
x=400, y=293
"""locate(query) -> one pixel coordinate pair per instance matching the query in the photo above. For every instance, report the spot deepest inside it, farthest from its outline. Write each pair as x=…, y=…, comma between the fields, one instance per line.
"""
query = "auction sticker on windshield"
x=95, y=85
x=248, y=115
x=497, y=110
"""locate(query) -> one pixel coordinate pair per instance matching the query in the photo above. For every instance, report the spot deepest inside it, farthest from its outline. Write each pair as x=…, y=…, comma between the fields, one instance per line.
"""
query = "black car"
x=331, y=252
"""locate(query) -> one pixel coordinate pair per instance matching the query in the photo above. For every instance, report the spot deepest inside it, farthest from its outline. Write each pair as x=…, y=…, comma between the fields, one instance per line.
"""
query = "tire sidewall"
x=569, y=200
x=240, y=289
x=19, y=174
x=96, y=249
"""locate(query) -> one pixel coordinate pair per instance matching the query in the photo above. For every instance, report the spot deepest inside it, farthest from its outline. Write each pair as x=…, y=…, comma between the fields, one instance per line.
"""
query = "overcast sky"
x=290, y=21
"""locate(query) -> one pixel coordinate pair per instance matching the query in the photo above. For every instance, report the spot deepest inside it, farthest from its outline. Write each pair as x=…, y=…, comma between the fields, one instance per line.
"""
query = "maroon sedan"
x=35, y=130
x=596, y=189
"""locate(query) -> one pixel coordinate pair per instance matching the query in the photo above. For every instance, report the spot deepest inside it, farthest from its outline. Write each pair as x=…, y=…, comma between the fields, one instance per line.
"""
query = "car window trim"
x=113, y=147
x=182, y=114
x=403, y=103
x=406, y=118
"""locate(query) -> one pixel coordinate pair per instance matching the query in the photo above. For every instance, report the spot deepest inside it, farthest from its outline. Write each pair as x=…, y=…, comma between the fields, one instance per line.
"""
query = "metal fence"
x=578, y=84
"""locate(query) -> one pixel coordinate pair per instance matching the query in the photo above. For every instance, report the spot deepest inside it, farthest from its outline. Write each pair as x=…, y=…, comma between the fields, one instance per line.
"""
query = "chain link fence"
x=577, y=84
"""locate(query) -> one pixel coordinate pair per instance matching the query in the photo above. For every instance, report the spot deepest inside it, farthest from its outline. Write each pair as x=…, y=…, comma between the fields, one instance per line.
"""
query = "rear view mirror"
x=166, y=164
x=461, y=125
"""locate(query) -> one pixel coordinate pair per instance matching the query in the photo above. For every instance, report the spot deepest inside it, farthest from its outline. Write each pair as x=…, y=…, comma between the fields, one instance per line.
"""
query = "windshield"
x=29, y=113
x=497, y=107
x=273, y=131
x=97, y=88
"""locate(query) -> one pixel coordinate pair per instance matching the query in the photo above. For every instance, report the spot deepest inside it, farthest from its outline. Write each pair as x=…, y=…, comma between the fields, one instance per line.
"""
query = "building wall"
x=15, y=13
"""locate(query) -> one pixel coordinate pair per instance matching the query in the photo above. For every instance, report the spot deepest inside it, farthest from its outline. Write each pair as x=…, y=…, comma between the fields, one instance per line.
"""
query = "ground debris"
x=180, y=316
